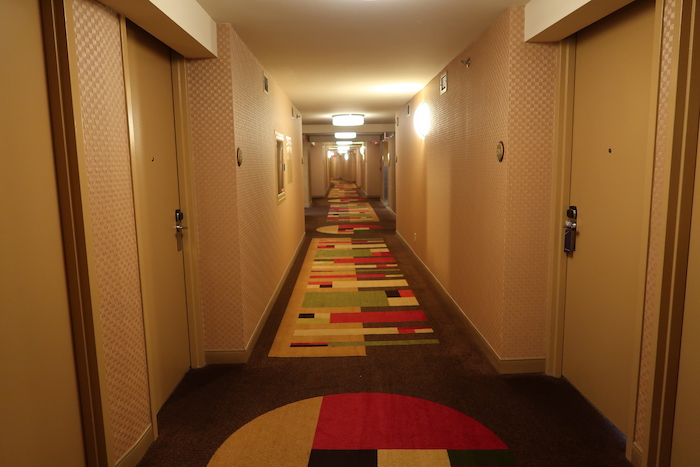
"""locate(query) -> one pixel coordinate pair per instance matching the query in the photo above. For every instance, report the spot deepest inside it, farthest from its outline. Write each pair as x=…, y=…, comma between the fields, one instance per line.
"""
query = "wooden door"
x=156, y=194
x=608, y=184
x=40, y=420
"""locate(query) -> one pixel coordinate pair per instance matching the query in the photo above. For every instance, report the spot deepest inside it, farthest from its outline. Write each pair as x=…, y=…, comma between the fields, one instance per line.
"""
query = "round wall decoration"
x=500, y=151
x=239, y=156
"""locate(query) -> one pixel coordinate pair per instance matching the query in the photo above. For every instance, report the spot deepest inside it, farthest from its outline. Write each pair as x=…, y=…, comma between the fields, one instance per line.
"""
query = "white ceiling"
x=329, y=56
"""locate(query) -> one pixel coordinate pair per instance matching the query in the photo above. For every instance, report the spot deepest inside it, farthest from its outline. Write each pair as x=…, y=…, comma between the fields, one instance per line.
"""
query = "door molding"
x=561, y=184
x=679, y=181
x=186, y=181
x=59, y=39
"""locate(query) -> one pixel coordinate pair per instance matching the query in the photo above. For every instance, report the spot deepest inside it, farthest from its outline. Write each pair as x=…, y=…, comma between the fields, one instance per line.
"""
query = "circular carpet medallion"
x=348, y=229
x=363, y=430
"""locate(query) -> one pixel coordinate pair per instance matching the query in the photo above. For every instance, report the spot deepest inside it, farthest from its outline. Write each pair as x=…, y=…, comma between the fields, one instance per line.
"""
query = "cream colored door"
x=686, y=424
x=156, y=193
x=40, y=422
x=608, y=186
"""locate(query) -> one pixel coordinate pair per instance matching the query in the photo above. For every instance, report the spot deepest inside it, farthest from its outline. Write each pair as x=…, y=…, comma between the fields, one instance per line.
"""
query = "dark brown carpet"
x=543, y=420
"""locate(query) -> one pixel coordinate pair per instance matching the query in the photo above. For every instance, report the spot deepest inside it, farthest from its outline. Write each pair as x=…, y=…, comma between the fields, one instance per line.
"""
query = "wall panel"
x=460, y=209
x=246, y=237
x=106, y=142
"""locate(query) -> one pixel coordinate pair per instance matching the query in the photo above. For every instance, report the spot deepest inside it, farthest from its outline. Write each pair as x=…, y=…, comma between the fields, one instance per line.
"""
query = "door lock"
x=179, y=216
x=570, y=230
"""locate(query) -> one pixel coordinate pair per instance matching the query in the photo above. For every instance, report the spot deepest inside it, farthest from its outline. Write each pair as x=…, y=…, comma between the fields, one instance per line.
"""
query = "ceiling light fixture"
x=343, y=143
x=345, y=135
x=348, y=120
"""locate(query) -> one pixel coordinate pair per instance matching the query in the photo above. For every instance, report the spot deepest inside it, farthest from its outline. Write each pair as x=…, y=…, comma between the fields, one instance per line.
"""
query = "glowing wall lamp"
x=421, y=120
x=348, y=120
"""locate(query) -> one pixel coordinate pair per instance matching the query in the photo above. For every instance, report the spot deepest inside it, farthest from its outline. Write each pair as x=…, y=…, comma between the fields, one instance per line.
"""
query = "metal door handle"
x=180, y=227
x=570, y=230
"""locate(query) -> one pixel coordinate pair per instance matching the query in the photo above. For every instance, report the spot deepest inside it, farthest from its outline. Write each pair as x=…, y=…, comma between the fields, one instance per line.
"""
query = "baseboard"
x=134, y=456
x=214, y=357
x=637, y=457
x=502, y=366
x=242, y=356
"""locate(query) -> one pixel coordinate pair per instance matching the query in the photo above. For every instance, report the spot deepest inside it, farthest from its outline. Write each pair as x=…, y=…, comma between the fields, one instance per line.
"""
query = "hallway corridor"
x=542, y=420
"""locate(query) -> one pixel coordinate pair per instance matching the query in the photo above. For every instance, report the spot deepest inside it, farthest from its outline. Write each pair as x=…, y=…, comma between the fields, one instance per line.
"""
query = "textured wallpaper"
x=657, y=229
x=269, y=231
x=454, y=195
x=210, y=99
x=531, y=117
x=246, y=237
x=106, y=139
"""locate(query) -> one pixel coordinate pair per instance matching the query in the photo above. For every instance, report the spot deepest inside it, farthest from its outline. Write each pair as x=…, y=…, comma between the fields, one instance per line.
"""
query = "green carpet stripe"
x=343, y=299
x=496, y=457
x=383, y=343
x=343, y=253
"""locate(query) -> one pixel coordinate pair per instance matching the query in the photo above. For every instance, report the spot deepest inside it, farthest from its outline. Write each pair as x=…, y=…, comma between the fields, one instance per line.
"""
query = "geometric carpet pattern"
x=346, y=206
x=347, y=229
x=352, y=212
x=350, y=295
x=363, y=430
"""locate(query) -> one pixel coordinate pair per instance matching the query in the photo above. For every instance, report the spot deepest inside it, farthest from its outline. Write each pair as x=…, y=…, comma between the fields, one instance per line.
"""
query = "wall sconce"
x=467, y=62
x=421, y=120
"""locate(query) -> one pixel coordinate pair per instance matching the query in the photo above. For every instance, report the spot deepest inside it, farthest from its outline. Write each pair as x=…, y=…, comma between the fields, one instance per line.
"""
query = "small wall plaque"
x=239, y=156
x=500, y=151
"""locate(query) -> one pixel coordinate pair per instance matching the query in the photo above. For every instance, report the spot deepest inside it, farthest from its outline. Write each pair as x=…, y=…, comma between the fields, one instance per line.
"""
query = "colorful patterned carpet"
x=363, y=430
x=350, y=295
x=348, y=207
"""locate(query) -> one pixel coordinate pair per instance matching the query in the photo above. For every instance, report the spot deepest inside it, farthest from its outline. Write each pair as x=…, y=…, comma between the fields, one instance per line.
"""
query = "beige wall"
x=479, y=225
x=210, y=101
x=39, y=408
x=246, y=237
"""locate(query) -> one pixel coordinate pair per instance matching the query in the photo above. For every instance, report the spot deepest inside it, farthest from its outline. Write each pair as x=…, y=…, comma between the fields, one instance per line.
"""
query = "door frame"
x=186, y=187
x=679, y=181
x=561, y=187
x=59, y=35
